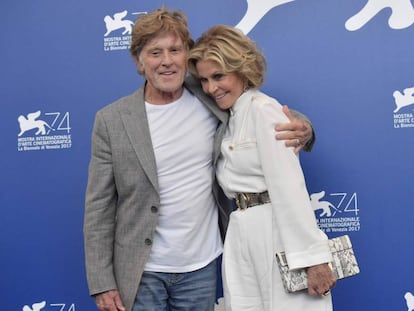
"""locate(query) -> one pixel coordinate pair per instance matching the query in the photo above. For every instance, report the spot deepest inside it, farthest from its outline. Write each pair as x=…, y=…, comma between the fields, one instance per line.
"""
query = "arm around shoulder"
x=298, y=132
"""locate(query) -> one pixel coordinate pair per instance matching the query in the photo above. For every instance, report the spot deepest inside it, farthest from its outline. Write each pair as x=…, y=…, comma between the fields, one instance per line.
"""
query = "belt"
x=245, y=200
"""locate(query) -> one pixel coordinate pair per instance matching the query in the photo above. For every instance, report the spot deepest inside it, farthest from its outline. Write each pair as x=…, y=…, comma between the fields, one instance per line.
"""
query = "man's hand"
x=109, y=301
x=296, y=133
x=320, y=280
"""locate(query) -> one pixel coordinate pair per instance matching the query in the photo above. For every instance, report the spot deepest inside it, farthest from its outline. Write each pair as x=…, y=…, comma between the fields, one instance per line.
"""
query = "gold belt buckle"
x=242, y=201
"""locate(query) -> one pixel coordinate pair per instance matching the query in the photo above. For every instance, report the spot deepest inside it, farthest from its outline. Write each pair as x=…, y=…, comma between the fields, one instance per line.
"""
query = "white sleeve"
x=305, y=245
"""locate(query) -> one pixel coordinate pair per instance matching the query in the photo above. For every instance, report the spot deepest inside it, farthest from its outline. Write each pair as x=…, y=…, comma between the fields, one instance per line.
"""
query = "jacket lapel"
x=135, y=120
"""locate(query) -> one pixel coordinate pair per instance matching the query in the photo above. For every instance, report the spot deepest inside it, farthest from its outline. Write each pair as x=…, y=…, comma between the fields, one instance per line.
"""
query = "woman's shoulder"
x=264, y=107
x=261, y=100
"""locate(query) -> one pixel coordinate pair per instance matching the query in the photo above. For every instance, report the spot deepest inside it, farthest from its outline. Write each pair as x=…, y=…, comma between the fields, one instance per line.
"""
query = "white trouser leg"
x=247, y=260
x=251, y=278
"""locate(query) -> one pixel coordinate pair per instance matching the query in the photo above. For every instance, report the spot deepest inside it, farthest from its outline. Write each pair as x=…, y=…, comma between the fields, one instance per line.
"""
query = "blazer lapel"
x=135, y=121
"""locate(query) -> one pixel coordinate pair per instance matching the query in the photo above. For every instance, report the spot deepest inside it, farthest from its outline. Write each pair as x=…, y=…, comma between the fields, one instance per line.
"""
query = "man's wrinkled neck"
x=159, y=97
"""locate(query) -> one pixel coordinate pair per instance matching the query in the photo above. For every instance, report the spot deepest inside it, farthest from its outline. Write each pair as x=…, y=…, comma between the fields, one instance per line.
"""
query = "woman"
x=274, y=212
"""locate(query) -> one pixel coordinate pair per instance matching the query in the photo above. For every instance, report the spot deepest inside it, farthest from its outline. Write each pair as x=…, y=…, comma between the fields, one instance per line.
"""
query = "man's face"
x=163, y=63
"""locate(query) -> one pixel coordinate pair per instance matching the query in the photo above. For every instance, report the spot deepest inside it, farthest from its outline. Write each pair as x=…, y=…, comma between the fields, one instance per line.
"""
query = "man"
x=155, y=217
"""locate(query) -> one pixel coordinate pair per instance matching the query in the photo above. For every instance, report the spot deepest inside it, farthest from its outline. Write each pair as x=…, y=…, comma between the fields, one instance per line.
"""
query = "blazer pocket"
x=245, y=144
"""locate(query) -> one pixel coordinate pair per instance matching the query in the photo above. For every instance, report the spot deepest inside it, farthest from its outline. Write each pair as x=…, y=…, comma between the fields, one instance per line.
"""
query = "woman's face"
x=224, y=88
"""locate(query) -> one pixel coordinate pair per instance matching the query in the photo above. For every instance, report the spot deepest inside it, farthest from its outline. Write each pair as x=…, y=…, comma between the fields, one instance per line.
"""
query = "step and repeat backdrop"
x=347, y=65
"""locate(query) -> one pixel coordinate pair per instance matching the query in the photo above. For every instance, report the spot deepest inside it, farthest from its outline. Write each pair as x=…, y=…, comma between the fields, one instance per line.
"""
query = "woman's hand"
x=320, y=280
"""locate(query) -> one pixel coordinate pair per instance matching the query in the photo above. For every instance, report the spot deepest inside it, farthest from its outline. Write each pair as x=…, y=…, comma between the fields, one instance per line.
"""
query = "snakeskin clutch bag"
x=344, y=265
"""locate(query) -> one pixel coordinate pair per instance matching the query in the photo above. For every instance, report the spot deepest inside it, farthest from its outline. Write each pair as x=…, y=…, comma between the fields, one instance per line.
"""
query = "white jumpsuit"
x=252, y=160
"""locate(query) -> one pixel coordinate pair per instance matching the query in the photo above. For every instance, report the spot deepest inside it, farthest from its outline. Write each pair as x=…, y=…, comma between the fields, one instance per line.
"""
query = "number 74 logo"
x=347, y=204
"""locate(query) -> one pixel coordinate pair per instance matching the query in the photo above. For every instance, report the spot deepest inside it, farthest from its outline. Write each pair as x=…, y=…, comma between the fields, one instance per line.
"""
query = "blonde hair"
x=162, y=20
x=233, y=51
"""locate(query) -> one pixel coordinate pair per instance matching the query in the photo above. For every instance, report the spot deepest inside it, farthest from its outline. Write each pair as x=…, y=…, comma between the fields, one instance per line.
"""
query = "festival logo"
x=42, y=132
x=409, y=299
x=40, y=306
x=256, y=10
x=338, y=212
x=35, y=307
x=402, y=14
x=118, y=31
x=119, y=26
x=403, y=116
x=117, y=22
x=30, y=122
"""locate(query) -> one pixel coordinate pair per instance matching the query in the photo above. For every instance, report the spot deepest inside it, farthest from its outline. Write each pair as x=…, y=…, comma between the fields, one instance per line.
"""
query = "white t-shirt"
x=187, y=236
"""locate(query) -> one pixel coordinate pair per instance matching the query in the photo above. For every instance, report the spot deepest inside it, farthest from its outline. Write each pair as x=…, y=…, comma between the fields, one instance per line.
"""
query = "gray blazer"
x=122, y=196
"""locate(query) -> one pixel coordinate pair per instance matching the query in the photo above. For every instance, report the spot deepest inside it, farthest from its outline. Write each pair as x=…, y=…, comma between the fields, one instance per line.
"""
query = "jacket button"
x=231, y=147
x=154, y=209
x=148, y=242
